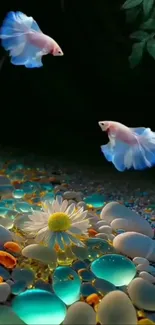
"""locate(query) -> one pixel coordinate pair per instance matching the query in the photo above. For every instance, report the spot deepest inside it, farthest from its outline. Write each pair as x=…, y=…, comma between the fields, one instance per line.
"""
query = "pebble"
x=40, y=253
x=135, y=222
x=5, y=291
x=134, y=244
x=105, y=229
x=8, y=317
x=116, y=308
x=5, y=235
x=80, y=313
x=140, y=260
x=147, y=276
x=142, y=294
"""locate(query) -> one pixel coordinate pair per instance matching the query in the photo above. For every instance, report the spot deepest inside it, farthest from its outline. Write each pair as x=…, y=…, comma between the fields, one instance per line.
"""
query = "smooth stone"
x=140, y=260
x=105, y=229
x=134, y=244
x=80, y=252
x=101, y=235
x=114, y=268
x=98, y=246
x=87, y=289
x=18, y=287
x=141, y=267
x=135, y=222
x=102, y=223
x=80, y=313
x=39, y=307
x=103, y=286
x=25, y=275
x=8, y=317
x=78, y=265
x=151, y=270
x=5, y=235
x=66, y=284
x=147, y=276
x=142, y=294
x=6, y=222
x=81, y=204
x=69, y=195
x=4, y=273
x=4, y=291
x=40, y=284
x=116, y=308
x=40, y=253
x=20, y=221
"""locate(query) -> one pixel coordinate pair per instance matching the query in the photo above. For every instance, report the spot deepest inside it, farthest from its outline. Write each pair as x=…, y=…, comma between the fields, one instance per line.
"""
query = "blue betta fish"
x=24, y=40
x=128, y=147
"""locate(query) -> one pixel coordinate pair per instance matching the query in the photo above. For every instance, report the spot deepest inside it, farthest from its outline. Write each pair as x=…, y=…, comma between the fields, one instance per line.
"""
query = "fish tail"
x=14, y=36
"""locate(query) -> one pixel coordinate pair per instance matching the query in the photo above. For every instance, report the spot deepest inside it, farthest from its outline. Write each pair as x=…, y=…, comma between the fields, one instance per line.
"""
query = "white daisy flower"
x=58, y=223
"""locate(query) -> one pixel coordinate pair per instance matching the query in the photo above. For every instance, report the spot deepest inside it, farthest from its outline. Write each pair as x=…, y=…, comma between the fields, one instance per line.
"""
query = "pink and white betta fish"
x=22, y=37
x=128, y=147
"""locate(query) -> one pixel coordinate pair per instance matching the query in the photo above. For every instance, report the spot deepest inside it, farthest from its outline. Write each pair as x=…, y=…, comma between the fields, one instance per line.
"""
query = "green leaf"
x=132, y=14
x=151, y=47
x=140, y=35
x=136, y=54
x=147, y=6
x=131, y=4
x=149, y=24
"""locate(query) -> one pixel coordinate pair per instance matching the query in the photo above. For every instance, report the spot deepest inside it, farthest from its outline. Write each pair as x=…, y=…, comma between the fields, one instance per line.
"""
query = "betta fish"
x=128, y=148
x=24, y=40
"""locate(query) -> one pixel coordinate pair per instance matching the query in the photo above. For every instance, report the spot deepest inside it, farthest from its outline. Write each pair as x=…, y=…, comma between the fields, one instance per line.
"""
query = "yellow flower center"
x=59, y=221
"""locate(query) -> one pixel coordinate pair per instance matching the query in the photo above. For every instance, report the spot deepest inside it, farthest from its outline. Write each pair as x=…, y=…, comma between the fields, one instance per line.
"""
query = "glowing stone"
x=66, y=284
x=116, y=269
x=96, y=200
x=18, y=194
x=39, y=307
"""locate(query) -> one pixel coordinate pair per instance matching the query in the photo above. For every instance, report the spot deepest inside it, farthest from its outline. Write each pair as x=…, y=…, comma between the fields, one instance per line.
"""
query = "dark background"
x=54, y=111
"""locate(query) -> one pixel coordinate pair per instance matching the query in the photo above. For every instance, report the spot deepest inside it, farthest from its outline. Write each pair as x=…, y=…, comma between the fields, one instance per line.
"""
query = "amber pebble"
x=1, y=279
x=7, y=260
x=93, y=299
x=92, y=232
x=145, y=321
x=13, y=247
x=140, y=314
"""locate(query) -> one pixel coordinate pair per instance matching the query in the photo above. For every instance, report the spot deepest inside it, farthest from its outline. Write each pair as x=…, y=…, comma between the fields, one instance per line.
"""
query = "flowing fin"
x=14, y=34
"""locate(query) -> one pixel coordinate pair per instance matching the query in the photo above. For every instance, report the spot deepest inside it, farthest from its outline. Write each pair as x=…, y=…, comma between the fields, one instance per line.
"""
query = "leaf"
x=151, y=47
x=140, y=35
x=131, y=4
x=136, y=54
x=132, y=14
x=149, y=24
x=147, y=6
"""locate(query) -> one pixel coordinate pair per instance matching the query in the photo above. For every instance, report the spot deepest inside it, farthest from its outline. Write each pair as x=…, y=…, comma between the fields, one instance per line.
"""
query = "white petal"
x=41, y=234
x=80, y=217
x=38, y=216
x=83, y=225
x=66, y=238
x=55, y=206
x=31, y=226
x=64, y=206
x=77, y=212
x=70, y=209
x=60, y=240
x=47, y=207
x=59, y=200
x=75, y=230
x=51, y=239
x=75, y=240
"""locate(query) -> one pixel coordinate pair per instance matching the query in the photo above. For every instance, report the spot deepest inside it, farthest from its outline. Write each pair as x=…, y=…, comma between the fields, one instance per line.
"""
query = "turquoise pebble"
x=4, y=273
x=97, y=247
x=47, y=187
x=78, y=265
x=114, y=268
x=86, y=275
x=40, y=284
x=87, y=289
x=66, y=284
x=18, y=287
x=23, y=207
x=39, y=307
x=96, y=200
x=103, y=286
x=48, y=197
x=23, y=275
x=18, y=194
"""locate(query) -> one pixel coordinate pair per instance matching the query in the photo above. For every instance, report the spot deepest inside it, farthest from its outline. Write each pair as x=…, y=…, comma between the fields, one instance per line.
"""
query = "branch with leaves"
x=145, y=35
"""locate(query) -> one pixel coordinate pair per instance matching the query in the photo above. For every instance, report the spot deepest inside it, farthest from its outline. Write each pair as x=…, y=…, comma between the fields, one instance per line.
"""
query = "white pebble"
x=80, y=313
x=103, y=236
x=5, y=291
x=141, y=267
x=140, y=260
x=146, y=276
x=105, y=229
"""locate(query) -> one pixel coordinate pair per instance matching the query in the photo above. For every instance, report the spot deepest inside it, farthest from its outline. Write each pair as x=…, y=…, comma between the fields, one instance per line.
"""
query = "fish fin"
x=138, y=131
x=107, y=151
x=13, y=33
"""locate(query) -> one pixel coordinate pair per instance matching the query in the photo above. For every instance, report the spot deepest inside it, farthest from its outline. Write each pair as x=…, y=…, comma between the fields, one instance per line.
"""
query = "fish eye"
x=102, y=123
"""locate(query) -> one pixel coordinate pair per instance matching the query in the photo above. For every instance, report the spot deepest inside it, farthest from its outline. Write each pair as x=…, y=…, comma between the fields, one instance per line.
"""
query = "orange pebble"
x=145, y=321
x=92, y=232
x=7, y=260
x=92, y=299
x=13, y=247
x=1, y=279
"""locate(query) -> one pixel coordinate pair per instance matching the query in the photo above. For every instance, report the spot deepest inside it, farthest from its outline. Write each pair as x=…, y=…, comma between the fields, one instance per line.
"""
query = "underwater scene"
x=71, y=250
